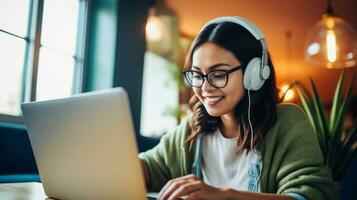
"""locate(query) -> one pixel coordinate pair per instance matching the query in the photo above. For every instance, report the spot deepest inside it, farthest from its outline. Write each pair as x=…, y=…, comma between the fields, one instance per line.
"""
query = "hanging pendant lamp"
x=331, y=42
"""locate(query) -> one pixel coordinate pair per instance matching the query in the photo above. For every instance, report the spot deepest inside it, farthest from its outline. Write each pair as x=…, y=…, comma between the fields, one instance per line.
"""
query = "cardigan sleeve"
x=301, y=164
x=167, y=160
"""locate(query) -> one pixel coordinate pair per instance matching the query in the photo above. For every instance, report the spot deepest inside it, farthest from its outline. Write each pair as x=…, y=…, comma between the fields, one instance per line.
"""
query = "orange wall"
x=275, y=18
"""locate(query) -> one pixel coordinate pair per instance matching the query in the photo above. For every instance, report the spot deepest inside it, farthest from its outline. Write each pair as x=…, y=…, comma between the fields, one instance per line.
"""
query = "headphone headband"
x=254, y=30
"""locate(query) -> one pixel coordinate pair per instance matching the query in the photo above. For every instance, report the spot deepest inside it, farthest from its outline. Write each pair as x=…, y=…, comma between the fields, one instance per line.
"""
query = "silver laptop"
x=85, y=146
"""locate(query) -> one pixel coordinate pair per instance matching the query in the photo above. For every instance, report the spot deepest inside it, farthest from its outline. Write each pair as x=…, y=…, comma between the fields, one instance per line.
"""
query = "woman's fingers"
x=173, y=184
x=187, y=177
x=170, y=189
x=185, y=189
x=194, y=196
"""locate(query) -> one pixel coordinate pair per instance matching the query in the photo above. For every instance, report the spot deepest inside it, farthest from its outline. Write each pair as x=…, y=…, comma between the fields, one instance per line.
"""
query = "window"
x=41, y=47
x=159, y=96
x=13, y=26
x=160, y=108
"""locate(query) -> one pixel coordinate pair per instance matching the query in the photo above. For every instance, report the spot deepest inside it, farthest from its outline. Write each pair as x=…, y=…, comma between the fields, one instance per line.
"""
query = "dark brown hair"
x=245, y=47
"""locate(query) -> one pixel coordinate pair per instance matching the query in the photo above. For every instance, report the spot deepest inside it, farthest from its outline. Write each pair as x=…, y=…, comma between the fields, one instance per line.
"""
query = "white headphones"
x=257, y=70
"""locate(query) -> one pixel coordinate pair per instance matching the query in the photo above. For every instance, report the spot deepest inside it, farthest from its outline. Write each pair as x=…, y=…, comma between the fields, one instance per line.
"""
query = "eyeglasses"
x=216, y=78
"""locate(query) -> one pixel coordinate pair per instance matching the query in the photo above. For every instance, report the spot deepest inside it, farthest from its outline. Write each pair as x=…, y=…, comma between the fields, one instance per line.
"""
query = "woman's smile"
x=212, y=100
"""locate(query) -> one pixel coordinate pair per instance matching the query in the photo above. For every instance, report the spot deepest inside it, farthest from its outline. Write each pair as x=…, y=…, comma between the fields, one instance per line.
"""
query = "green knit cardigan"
x=292, y=161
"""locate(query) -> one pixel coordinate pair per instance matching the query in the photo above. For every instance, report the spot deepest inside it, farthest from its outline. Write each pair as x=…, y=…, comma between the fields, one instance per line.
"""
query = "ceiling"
x=275, y=18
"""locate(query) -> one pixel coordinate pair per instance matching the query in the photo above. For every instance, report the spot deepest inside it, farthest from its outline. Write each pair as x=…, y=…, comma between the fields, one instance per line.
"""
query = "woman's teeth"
x=212, y=99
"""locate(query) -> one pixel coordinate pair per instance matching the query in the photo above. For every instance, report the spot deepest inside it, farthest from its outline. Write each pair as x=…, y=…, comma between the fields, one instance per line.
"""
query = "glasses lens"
x=194, y=78
x=217, y=78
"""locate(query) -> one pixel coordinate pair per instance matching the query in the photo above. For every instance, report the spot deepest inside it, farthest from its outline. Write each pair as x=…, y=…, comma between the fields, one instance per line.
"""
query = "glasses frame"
x=226, y=72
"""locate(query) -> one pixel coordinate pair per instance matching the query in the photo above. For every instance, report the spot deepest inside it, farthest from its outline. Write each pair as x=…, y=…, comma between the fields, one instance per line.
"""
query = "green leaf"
x=306, y=102
x=341, y=148
x=336, y=102
x=344, y=150
x=337, y=127
x=320, y=117
x=351, y=137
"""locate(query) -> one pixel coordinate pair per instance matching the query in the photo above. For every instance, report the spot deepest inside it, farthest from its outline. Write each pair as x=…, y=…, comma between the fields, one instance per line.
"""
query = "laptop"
x=85, y=146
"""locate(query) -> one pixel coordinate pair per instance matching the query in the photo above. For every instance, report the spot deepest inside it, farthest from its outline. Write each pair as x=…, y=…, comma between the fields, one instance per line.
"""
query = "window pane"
x=59, y=26
x=14, y=16
x=12, y=51
x=55, y=75
x=159, y=96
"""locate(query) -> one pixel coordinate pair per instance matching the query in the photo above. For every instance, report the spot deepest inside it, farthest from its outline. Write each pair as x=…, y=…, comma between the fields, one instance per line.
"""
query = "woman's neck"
x=229, y=128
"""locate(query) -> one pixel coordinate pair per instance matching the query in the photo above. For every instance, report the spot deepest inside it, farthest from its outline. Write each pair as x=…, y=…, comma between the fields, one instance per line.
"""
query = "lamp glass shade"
x=331, y=43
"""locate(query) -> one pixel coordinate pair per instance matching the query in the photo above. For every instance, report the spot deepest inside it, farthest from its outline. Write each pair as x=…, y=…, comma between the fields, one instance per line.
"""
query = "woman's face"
x=218, y=101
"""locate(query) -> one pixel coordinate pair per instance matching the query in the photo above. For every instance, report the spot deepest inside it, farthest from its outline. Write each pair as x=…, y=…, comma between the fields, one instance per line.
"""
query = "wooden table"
x=23, y=191
x=32, y=191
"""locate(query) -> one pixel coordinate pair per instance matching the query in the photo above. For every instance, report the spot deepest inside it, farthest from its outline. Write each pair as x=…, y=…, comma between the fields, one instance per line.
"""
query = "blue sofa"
x=17, y=163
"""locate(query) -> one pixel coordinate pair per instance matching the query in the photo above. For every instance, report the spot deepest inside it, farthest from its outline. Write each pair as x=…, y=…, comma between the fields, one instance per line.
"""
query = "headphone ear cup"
x=252, y=80
x=266, y=72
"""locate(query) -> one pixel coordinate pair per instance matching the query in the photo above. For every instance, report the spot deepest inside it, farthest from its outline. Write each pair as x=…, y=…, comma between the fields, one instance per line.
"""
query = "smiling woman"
x=239, y=143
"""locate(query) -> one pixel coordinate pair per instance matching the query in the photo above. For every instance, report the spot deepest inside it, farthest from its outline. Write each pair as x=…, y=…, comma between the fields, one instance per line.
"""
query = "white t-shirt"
x=222, y=167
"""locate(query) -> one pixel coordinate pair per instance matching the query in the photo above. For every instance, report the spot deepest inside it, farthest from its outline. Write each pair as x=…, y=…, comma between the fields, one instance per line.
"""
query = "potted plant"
x=337, y=145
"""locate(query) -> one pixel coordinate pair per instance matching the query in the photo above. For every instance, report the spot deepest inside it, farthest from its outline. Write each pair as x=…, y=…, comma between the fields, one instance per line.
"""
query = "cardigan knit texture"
x=292, y=161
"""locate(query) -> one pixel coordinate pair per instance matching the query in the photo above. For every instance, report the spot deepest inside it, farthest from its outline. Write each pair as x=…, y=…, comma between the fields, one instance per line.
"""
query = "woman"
x=239, y=143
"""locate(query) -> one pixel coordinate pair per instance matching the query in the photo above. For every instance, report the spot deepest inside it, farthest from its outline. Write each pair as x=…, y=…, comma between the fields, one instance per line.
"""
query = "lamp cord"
x=329, y=9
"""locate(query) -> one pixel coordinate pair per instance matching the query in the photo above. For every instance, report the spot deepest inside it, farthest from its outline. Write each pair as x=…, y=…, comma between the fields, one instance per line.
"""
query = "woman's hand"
x=190, y=187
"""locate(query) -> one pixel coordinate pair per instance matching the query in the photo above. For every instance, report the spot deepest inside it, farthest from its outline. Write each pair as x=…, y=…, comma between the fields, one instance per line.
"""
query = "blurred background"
x=57, y=48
